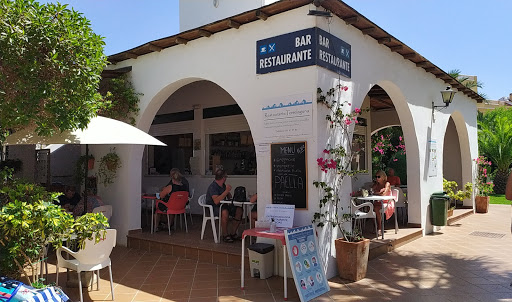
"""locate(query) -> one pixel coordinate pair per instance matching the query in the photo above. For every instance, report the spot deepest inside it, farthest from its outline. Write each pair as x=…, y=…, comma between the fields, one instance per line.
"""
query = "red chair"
x=175, y=205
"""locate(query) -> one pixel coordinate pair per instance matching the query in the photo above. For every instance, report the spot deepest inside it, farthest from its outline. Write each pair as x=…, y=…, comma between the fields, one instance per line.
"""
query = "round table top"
x=376, y=197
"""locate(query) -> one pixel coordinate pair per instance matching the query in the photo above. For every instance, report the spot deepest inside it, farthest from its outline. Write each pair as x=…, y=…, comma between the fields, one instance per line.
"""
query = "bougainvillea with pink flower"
x=483, y=185
x=335, y=161
x=387, y=146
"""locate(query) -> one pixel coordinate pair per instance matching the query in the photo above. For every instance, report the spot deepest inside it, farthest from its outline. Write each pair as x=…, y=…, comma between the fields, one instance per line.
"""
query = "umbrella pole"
x=86, y=177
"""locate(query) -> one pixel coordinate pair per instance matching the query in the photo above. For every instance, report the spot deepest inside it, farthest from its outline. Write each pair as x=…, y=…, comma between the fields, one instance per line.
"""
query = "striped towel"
x=30, y=294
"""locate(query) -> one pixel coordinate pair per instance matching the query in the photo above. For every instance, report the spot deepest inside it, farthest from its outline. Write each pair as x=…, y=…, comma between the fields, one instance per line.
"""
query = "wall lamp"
x=447, y=96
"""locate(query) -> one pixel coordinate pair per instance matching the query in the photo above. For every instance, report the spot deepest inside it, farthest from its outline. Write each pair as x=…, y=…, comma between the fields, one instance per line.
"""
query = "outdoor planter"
x=352, y=258
x=482, y=204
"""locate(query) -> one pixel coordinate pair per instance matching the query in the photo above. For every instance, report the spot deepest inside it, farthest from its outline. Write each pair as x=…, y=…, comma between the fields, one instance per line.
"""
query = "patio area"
x=189, y=245
x=467, y=261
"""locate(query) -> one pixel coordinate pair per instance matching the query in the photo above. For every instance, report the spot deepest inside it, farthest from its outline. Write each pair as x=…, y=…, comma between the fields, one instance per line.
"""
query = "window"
x=233, y=151
x=177, y=154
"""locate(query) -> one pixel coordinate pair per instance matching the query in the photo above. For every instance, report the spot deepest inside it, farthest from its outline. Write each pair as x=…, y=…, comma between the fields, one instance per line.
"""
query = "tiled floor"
x=450, y=265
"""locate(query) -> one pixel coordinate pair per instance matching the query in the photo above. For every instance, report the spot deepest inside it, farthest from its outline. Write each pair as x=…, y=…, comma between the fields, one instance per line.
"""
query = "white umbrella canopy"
x=100, y=131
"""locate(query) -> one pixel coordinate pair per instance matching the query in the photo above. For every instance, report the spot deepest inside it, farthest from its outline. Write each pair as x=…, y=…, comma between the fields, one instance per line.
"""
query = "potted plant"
x=352, y=249
x=483, y=187
x=109, y=164
x=450, y=188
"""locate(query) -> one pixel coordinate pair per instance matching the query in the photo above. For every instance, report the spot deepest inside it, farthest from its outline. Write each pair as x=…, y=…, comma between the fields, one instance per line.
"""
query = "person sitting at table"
x=392, y=179
x=93, y=201
x=69, y=199
x=218, y=191
x=175, y=185
x=184, y=181
x=254, y=210
x=380, y=187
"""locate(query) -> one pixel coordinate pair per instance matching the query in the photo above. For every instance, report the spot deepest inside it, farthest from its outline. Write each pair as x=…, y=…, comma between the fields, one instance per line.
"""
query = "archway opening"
x=205, y=130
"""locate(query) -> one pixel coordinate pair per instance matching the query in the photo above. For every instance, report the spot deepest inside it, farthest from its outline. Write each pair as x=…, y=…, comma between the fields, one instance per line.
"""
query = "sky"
x=473, y=36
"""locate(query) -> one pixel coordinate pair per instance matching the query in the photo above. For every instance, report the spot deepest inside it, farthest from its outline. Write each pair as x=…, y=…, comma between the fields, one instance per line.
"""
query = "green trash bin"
x=439, y=203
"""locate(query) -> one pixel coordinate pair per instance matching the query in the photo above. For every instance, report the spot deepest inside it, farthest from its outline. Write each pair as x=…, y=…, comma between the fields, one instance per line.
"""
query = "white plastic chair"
x=106, y=210
x=202, y=202
x=93, y=257
x=359, y=215
x=401, y=207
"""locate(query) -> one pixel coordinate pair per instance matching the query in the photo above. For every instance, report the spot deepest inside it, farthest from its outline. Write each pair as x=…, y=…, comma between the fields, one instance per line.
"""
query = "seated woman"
x=392, y=179
x=380, y=187
x=174, y=185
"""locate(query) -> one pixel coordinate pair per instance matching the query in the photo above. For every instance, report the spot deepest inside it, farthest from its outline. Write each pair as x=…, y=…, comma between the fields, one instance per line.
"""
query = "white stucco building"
x=205, y=88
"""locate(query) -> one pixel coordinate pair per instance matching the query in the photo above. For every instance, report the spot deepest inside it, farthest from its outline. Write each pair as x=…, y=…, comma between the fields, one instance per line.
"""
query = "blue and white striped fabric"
x=29, y=294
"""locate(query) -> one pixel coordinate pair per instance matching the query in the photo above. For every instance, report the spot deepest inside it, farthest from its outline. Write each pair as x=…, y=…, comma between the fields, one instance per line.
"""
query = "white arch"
x=465, y=150
x=412, y=148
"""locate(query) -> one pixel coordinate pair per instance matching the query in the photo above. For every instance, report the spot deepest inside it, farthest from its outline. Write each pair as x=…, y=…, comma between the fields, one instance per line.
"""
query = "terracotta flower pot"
x=90, y=164
x=482, y=204
x=352, y=258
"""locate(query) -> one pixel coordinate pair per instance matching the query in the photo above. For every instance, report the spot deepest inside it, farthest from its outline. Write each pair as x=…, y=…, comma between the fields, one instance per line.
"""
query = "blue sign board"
x=308, y=274
x=312, y=46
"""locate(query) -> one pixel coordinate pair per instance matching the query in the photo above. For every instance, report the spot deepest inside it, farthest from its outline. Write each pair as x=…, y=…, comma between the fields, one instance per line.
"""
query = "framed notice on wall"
x=289, y=174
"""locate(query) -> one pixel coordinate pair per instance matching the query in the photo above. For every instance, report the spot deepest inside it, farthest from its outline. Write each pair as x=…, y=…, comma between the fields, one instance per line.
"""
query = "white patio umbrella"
x=99, y=131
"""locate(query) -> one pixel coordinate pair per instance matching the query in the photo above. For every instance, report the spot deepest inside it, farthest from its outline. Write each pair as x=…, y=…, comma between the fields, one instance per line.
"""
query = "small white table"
x=152, y=198
x=246, y=205
x=373, y=198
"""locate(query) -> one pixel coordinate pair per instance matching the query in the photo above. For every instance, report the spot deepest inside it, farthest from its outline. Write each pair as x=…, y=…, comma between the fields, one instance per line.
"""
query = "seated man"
x=69, y=199
x=392, y=179
x=218, y=191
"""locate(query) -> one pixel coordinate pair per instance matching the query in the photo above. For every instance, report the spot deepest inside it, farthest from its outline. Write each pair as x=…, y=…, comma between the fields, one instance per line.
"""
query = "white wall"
x=228, y=60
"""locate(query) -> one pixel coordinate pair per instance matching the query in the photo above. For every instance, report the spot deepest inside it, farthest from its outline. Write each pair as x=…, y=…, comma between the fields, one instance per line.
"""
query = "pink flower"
x=326, y=151
x=357, y=110
x=400, y=138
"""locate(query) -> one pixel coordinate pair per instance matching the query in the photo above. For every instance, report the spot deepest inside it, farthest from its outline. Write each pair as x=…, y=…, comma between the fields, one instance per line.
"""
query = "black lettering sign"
x=289, y=174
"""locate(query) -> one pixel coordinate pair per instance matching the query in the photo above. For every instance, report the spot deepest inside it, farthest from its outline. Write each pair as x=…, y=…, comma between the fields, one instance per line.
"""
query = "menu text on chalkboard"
x=289, y=174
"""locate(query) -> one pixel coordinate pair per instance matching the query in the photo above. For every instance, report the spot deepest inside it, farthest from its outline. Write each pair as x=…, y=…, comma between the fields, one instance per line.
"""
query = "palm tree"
x=495, y=142
x=465, y=80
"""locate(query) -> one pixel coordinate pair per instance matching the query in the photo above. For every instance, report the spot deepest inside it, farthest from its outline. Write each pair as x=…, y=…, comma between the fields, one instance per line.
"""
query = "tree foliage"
x=29, y=221
x=50, y=67
x=466, y=81
x=495, y=142
x=120, y=99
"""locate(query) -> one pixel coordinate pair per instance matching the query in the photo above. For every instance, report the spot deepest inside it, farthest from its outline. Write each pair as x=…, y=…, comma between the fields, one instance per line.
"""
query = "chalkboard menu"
x=289, y=174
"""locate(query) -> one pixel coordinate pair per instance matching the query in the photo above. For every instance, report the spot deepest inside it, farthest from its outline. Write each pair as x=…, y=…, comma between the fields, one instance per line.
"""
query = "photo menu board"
x=289, y=174
x=308, y=273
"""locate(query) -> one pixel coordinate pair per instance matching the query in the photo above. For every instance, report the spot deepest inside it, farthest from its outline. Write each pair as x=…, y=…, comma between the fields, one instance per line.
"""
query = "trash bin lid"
x=442, y=193
x=261, y=248
x=439, y=195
